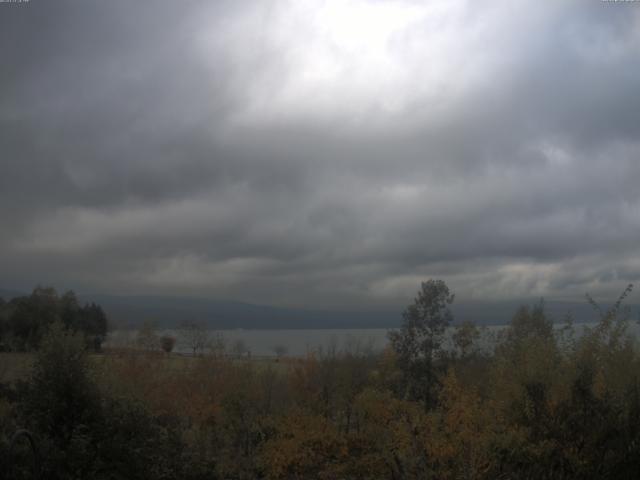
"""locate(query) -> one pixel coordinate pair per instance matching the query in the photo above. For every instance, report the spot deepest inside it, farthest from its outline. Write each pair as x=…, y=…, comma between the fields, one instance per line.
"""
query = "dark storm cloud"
x=287, y=153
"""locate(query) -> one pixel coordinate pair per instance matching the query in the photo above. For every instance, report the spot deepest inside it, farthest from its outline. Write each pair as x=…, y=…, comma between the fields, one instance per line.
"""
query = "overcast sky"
x=320, y=153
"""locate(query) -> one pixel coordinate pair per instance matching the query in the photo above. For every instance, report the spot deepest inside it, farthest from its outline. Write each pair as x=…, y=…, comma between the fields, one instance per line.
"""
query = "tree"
x=460, y=434
x=167, y=342
x=530, y=323
x=62, y=400
x=69, y=309
x=194, y=336
x=93, y=322
x=465, y=335
x=419, y=340
x=147, y=337
x=32, y=315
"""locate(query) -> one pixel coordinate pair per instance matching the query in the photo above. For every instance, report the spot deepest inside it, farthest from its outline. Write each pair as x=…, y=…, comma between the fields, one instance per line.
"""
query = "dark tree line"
x=25, y=319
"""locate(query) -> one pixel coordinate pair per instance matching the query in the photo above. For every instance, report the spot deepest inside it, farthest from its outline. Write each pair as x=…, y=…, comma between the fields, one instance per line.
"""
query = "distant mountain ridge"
x=131, y=311
x=166, y=311
x=170, y=311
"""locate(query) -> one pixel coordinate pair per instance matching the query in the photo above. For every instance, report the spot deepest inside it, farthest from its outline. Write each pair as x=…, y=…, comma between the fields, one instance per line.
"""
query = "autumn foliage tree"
x=418, y=342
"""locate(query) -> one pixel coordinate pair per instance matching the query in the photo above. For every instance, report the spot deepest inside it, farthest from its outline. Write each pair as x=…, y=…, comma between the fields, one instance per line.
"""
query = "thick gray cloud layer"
x=321, y=153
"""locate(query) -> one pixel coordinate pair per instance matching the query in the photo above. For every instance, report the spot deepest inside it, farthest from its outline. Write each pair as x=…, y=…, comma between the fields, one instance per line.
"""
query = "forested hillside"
x=24, y=320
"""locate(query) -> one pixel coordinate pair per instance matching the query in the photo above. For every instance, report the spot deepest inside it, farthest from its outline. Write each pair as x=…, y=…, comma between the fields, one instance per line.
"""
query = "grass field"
x=16, y=366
